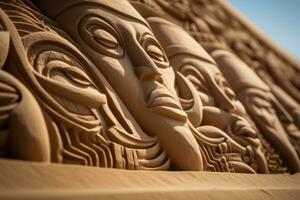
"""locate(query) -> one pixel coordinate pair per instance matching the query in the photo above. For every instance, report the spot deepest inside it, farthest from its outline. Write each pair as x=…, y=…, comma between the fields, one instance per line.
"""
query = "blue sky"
x=279, y=19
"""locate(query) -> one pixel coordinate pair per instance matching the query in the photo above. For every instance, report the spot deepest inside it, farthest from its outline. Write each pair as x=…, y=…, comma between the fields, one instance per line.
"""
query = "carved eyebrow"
x=174, y=50
x=109, y=22
x=103, y=7
x=122, y=14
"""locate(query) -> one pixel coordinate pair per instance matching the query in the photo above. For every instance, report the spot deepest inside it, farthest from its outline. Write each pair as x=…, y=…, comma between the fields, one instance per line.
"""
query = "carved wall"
x=145, y=85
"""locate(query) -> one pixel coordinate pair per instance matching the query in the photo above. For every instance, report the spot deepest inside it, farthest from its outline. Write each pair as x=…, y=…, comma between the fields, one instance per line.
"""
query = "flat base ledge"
x=29, y=180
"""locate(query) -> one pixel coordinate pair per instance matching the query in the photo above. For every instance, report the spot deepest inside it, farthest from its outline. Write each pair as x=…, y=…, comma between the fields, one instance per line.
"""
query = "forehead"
x=186, y=58
x=119, y=20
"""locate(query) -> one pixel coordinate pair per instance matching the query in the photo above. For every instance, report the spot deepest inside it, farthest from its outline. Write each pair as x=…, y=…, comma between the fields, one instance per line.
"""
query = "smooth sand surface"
x=27, y=180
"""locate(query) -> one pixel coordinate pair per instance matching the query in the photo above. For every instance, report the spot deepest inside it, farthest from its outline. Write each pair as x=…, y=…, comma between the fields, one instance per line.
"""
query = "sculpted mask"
x=190, y=59
x=185, y=54
x=118, y=40
x=259, y=102
x=55, y=72
x=61, y=77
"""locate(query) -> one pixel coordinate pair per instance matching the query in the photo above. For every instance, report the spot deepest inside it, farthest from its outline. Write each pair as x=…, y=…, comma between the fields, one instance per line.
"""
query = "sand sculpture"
x=135, y=85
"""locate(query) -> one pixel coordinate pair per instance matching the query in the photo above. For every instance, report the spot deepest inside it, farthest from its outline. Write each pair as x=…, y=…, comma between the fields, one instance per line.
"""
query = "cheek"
x=121, y=76
x=168, y=77
x=114, y=66
x=115, y=71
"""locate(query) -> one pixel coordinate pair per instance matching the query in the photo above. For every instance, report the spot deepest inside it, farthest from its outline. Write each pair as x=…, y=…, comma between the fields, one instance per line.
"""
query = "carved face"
x=187, y=57
x=128, y=55
x=213, y=88
x=62, y=73
x=208, y=80
x=259, y=102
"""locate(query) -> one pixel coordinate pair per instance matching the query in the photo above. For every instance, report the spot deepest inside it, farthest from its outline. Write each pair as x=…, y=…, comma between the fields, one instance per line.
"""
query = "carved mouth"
x=162, y=102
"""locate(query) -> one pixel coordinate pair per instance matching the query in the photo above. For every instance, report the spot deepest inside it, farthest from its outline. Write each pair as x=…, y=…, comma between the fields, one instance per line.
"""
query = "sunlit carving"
x=259, y=102
x=118, y=85
x=190, y=59
x=141, y=77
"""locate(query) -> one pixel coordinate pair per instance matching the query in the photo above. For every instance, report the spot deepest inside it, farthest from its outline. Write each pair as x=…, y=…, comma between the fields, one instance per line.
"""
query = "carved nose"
x=223, y=100
x=148, y=73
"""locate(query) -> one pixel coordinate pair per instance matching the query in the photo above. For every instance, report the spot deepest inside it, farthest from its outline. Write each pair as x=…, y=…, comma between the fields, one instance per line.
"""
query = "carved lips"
x=163, y=103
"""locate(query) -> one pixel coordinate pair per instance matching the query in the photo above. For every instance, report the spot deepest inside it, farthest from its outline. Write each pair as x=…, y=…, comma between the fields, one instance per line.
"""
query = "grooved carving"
x=145, y=85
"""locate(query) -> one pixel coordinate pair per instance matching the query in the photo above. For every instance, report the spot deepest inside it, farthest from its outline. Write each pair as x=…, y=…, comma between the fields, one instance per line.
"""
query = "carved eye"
x=190, y=71
x=155, y=53
x=100, y=36
x=105, y=38
x=73, y=73
x=77, y=76
x=154, y=50
x=222, y=82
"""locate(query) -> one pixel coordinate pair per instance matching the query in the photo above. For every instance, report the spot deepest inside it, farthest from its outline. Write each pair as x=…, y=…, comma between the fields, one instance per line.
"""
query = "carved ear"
x=189, y=99
x=4, y=47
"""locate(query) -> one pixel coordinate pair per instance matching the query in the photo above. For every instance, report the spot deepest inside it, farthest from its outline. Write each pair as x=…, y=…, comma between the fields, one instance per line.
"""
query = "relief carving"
x=23, y=134
x=20, y=138
x=119, y=42
x=215, y=25
x=204, y=20
x=220, y=107
x=150, y=85
x=259, y=102
x=74, y=108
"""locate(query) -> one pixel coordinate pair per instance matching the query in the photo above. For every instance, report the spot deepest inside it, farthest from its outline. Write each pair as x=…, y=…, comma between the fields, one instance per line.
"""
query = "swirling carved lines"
x=9, y=100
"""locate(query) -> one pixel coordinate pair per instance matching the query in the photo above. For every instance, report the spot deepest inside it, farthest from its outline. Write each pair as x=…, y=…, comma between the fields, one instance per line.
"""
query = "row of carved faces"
x=270, y=107
x=114, y=100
